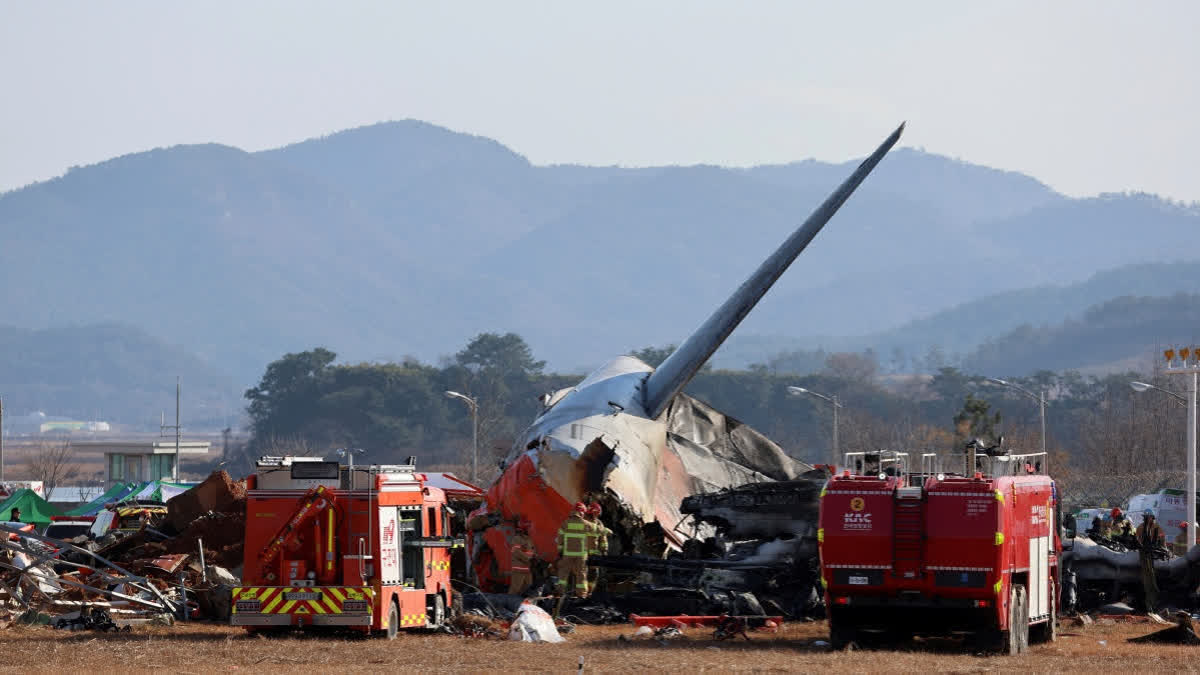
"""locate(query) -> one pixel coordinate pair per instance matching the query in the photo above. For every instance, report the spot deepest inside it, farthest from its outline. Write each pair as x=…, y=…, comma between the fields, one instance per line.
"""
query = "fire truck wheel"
x=393, y=627
x=840, y=635
x=435, y=610
x=1015, y=640
x=1021, y=628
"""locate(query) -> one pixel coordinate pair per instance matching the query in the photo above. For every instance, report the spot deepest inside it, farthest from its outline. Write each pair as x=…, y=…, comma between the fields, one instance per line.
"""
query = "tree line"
x=307, y=403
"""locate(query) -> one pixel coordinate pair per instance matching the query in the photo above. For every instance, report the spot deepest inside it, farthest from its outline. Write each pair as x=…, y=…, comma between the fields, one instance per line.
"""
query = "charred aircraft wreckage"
x=692, y=496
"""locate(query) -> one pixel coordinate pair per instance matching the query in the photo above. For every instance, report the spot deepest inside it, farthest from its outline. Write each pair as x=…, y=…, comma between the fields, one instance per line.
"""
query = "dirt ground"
x=203, y=648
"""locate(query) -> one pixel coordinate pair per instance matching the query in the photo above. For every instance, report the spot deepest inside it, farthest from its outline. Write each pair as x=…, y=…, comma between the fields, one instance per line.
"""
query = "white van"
x=1168, y=505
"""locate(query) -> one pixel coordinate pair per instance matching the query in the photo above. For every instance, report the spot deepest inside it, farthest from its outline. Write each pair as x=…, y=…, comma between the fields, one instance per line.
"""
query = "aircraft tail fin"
x=678, y=369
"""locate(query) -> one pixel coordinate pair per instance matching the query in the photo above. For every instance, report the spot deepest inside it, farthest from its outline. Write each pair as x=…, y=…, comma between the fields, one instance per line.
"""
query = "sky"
x=1089, y=97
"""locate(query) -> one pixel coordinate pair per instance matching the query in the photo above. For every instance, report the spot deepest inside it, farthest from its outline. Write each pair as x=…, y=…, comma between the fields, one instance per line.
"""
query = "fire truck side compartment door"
x=389, y=545
x=1039, y=588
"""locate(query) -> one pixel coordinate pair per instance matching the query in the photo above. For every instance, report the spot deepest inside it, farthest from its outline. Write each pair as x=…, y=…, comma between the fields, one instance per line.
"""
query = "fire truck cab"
x=933, y=553
x=360, y=547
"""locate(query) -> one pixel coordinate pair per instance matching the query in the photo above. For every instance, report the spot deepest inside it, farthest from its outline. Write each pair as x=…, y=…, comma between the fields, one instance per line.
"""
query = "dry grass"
x=203, y=648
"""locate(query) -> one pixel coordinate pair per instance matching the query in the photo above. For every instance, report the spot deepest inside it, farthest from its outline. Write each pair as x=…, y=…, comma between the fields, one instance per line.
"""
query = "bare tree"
x=53, y=463
x=1130, y=433
x=289, y=446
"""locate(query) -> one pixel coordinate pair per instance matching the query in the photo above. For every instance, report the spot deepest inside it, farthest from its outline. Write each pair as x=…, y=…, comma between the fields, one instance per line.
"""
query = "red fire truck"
x=931, y=553
x=360, y=547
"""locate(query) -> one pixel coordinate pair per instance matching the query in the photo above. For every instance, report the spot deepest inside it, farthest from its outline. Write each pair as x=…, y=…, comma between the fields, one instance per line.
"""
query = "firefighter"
x=1120, y=525
x=597, y=532
x=1149, y=536
x=1179, y=544
x=522, y=556
x=597, y=538
x=572, y=544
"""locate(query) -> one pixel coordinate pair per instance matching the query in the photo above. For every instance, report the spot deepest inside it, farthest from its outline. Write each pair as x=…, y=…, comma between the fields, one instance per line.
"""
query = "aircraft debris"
x=628, y=438
x=1098, y=575
x=1182, y=633
x=135, y=578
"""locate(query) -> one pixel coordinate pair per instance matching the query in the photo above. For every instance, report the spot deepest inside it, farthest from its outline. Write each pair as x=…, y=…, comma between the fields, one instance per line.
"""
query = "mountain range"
x=406, y=239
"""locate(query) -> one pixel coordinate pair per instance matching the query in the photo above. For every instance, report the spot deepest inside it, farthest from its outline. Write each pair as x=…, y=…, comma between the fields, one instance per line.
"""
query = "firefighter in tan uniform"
x=597, y=539
x=1149, y=535
x=522, y=556
x=572, y=543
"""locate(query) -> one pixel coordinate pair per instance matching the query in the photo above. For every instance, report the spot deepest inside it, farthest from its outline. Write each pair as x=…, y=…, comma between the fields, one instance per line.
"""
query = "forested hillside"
x=405, y=239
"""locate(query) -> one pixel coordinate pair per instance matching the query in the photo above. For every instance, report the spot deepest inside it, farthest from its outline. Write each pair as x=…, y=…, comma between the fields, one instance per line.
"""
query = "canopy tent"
x=33, y=508
x=151, y=491
x=114, y=493
x=159, y=491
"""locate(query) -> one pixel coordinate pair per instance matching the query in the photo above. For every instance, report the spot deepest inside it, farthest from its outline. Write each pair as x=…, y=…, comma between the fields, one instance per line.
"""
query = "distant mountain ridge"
x=1118, y=331
x=964, y=328
x=404, y=238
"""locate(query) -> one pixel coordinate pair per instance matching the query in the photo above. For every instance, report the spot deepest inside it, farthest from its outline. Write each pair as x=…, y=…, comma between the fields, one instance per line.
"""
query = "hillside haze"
x=404, y=238
x=113, y=373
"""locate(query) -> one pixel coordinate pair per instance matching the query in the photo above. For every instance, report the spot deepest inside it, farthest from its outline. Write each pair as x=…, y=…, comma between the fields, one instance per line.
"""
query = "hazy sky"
x=1088, y=96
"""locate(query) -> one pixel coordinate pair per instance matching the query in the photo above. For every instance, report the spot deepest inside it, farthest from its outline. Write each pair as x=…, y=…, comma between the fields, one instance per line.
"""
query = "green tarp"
x=97, y=505
x=150, y=490
x=33, y=508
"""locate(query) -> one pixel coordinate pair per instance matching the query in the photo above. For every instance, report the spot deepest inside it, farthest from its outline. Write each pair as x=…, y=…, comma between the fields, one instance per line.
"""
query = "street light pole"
x=474, y=406
x=836, y=446
x=1041, y=399
x=1190, y=402
x=1193, y=370
x=1191, y=477
x=1042, y=405
x=836, y=403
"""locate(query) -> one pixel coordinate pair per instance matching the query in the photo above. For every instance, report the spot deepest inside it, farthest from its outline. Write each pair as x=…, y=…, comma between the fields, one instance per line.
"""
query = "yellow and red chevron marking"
x=283, y=600
x=408, y=620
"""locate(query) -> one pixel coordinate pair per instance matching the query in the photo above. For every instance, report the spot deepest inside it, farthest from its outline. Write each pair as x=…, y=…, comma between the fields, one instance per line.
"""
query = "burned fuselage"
x=628, y=438
x=639, y=470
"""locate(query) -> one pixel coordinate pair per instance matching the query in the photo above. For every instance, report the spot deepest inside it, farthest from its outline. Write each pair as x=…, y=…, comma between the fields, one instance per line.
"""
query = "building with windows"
x=128, y=461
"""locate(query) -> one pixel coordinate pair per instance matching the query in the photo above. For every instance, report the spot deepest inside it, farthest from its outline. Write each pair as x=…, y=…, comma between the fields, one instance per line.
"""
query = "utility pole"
x=1, y=439
x=162, y=427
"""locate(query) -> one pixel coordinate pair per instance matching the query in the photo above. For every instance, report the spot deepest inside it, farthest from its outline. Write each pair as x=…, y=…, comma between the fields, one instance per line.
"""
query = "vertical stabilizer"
x=678, y=369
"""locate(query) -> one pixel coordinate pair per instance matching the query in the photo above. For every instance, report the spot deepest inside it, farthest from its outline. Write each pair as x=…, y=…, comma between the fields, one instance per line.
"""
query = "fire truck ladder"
x=315, y=501
x=908, y=532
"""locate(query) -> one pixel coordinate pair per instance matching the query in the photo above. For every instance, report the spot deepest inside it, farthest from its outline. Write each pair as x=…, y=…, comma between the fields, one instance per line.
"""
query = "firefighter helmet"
x=581, y=508
x=1147, y=513
x=1183, y=524
x=595, y=509
x=1116, y=513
